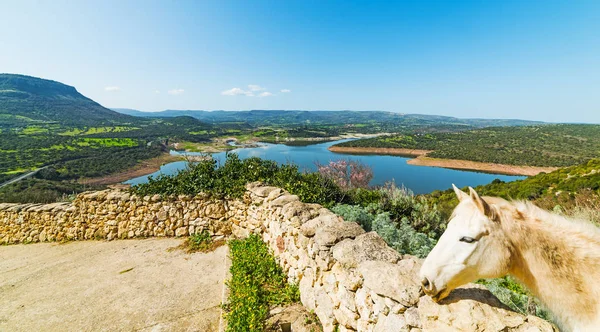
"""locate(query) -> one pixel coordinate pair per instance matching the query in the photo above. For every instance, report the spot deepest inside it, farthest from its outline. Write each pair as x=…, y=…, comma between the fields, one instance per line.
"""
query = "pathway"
x=124, y=285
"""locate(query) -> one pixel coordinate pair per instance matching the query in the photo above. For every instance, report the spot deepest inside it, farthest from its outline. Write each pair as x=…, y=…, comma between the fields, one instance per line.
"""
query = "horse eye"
x=467, y=239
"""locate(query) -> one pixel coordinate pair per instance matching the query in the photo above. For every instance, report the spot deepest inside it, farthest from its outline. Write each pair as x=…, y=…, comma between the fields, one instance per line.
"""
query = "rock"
x=366, y=247
x=309, y=228
x=261, y=191
x=346, y=317
x=324, y=311
x=328, y=236
x=474, y=308
x=412, y=317
x=391, y=323
x=387, y=279
x=348, y=278
x=283, y=200
x=181, y=231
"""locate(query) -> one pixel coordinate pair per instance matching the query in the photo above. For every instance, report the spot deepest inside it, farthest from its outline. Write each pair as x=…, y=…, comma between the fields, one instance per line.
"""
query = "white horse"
x=556, y=258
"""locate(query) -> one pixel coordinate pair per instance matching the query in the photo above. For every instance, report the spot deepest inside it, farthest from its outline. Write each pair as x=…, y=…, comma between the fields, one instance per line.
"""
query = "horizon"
x=493, y=60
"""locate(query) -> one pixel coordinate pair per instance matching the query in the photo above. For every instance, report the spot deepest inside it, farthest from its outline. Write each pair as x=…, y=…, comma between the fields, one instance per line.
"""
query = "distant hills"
x=26, y=100
x=274, y=117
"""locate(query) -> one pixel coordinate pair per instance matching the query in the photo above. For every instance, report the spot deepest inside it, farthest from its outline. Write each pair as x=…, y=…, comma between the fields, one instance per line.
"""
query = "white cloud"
x=176, y=92
x=112, y=88
x=156, y=91
x=254, y=87
x=286, y=90
x=237, y=92
x=266, y=94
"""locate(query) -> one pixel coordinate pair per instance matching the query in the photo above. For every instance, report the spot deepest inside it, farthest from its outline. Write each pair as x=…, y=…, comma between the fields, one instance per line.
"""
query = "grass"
x=34, y=130
x=106, y=142
x=96, y=130
x=257, y=282
x=200, y=243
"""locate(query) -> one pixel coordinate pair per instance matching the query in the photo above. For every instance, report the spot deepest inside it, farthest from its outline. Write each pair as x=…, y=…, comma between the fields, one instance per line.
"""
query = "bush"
x=347, y=174
x=257, y=282
x=418, y=211
x=230, y=179
x=400, y=236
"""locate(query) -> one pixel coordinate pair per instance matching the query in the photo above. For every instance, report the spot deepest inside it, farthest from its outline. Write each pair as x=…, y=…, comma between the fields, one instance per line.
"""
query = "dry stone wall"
x=351, y=279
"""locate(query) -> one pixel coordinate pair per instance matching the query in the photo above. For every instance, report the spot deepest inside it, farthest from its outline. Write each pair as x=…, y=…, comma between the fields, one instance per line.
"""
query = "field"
x=542, y=145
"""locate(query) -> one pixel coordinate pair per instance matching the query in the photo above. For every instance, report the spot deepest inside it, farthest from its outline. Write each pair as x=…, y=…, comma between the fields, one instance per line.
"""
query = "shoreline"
x=145, y=167
x=466, y=165
x=381, y=151
x=420, y=159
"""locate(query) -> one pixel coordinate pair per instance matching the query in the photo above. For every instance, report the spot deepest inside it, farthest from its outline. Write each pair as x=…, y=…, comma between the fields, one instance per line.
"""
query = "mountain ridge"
x=26, y=99
x=342, y=116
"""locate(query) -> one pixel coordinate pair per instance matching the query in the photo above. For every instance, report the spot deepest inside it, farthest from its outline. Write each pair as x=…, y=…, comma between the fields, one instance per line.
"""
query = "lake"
x=420, y=179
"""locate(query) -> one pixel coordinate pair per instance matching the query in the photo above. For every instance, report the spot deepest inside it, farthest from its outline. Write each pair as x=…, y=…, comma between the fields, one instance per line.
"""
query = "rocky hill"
x=29, y=100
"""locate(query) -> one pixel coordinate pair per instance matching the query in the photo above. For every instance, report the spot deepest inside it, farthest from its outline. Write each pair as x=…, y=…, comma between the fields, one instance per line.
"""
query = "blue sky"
x=491, y=59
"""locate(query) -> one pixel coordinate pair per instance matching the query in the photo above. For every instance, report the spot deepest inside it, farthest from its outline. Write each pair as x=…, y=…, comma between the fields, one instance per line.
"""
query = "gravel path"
x=126, y=285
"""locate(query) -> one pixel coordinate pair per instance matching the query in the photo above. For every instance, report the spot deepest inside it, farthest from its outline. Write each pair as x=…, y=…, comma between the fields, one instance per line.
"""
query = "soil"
x=388, y=151
x=123, y=285
x=481, y=167
x=421, y=159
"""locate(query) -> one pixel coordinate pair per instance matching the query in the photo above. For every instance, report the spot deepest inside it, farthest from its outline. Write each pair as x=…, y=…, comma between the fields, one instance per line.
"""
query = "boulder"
x=390, y=280
x=328, y=236
x=366, y=247
x=283, y=200
x=474, y=308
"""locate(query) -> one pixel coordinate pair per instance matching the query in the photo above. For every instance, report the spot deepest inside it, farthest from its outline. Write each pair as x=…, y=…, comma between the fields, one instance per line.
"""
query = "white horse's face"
x=472, y=247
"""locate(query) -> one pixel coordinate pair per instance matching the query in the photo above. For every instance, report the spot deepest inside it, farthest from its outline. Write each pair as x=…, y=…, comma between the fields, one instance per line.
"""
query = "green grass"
x=257, y=282
x=96, y=130
x=106, y=142
x=202, y=242
x=34, y=130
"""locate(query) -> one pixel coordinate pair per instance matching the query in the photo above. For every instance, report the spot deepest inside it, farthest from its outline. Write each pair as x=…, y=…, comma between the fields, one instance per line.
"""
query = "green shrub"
x=517, y=297
x=256, y=283
x=400, y=236
x=230, y=179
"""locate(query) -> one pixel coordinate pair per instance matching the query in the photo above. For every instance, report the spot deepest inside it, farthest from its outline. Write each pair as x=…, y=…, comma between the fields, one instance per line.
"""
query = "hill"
x=282, y=117
x=556, y=145
x=572, y=188
x=26, y=100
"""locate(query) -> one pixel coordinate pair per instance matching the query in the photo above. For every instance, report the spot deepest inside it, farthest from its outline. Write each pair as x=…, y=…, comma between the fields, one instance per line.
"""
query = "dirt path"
x=125, y=285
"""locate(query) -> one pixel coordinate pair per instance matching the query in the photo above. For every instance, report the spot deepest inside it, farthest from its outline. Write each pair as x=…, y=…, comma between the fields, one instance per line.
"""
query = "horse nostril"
x=426, y=284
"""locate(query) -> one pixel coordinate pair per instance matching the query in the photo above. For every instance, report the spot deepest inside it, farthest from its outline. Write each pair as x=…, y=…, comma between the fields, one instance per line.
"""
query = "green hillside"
x=26, y=100
x=575, y=187
x=542, y=145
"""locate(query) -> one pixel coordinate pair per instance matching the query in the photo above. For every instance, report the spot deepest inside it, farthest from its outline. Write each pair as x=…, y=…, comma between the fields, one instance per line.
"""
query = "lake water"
x=420, y=179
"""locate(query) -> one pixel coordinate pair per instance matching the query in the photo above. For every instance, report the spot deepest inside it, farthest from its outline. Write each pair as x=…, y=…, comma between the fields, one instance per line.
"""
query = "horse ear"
x=482, y=205
x=459, y=193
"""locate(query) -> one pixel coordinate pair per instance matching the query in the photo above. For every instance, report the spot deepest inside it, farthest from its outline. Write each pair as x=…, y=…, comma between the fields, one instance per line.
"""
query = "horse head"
x=473, y=246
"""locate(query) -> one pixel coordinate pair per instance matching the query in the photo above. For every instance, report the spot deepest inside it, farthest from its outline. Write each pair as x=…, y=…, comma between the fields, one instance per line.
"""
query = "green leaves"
x=257, y=282
x=230, y=179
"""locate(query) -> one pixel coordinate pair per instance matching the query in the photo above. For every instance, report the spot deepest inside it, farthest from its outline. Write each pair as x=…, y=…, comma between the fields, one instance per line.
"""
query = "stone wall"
x=351, y=279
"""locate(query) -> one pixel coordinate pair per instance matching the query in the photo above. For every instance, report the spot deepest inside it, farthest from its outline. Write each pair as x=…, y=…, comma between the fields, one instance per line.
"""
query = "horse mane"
x=556, y=257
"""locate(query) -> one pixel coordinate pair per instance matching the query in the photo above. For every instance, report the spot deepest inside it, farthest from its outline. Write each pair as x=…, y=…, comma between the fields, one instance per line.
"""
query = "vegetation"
x=570, y=188
x=543, y=145
x=370, y=121
x=230, y=179
x=41, y=191
x=202, y=242
x=26, y=100
x=257, y=282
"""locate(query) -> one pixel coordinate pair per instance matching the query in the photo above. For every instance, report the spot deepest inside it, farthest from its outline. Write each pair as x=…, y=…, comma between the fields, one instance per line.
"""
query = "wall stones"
x=351, y=279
